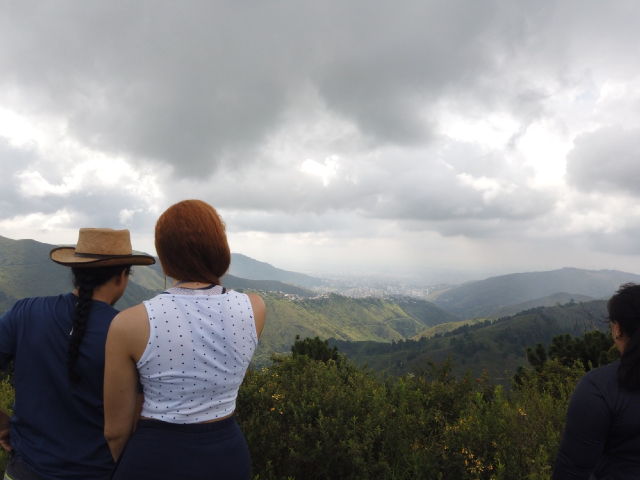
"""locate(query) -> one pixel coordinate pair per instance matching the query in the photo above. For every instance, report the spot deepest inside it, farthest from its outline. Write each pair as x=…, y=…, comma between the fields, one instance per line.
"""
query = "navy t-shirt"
x=602, y=433
x=57, y=427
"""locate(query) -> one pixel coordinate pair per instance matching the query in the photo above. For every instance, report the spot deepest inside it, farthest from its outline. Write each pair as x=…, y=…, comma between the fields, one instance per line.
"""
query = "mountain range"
x=487, y=297
x=481, y=324
x=248, y=268
x=26, y=270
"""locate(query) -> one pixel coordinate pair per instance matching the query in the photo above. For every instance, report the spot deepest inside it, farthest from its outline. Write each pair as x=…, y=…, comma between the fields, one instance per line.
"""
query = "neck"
x=101, y=295
x=192, y=284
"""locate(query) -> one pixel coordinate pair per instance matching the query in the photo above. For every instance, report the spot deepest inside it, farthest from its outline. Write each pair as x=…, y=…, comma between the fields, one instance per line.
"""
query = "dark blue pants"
x=204, y=451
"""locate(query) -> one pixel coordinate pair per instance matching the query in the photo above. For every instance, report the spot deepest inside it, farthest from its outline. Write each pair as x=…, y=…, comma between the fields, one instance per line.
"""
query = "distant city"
x=378, y=286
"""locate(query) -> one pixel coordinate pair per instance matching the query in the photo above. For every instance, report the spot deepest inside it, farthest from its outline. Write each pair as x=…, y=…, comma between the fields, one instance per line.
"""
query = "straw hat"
x=100, y=247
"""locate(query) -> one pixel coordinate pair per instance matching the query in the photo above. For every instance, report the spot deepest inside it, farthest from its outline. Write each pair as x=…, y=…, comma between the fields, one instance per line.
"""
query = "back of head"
x=191, y=242
x=624, y=309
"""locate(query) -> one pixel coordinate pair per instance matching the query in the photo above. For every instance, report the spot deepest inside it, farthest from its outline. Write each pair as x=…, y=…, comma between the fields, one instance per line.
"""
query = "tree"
x=315, y=349
x=593, y=349
x=537, y=356
x=562, y=349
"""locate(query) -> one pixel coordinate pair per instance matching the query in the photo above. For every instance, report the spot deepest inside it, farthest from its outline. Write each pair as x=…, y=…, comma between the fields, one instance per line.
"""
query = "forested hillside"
x=26, y=271
x=549, y=301
x=482, y=298
x=390, y=335
x=335, y=316
x=497, y=346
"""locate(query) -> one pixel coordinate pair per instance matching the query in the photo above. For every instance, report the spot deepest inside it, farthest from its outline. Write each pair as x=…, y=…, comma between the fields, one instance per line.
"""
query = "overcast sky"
x=402, y=137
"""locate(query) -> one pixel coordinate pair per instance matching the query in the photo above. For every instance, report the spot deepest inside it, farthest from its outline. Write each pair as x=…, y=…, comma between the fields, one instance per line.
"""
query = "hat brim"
x=66, y=256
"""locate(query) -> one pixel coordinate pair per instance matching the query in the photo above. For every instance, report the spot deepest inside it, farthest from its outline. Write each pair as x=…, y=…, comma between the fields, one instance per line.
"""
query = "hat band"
x=97, y=255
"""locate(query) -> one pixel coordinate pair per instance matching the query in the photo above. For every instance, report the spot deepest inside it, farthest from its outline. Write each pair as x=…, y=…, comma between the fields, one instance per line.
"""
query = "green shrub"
x=7, y=397
x=307, y=419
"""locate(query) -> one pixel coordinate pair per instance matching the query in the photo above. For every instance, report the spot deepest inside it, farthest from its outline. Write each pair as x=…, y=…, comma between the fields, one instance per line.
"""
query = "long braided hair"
x=86, y=280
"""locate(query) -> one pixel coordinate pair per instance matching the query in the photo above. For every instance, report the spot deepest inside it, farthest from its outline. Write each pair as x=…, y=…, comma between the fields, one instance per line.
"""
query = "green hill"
x=250, y=274
x=494, y=345
x=550, y=301
x=27, y=271
x=480, y=299
x=237, y=283
x=446, y=328
x=392, y=335
x=335, y=316
x=424, y=312
x=246, y=267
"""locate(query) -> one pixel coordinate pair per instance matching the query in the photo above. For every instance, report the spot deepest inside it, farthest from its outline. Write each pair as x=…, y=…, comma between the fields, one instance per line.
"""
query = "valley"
x=483, y=325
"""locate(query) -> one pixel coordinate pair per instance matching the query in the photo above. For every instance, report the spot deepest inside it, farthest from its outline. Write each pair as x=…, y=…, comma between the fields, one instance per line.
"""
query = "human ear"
x=121, y=278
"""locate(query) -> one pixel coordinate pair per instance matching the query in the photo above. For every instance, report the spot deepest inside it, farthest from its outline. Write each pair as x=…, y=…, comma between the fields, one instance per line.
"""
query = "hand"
x=5, y=438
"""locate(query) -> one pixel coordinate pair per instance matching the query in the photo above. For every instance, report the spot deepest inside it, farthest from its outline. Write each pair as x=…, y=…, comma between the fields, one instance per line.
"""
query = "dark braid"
x=86, y=280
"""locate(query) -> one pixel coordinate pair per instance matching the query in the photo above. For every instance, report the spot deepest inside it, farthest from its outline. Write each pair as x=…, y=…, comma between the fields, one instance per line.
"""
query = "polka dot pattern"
x=199, y=349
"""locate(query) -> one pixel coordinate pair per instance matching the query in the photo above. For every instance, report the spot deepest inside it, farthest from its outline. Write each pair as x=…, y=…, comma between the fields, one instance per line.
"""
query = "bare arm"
x=259, y=311
x=138, y=412
x=125, y=345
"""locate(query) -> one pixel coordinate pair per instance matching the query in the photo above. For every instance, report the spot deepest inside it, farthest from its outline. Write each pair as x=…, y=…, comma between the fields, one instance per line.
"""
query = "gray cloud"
x=202, y=86
x=607, y=160
x=447, y=187
x=622, y=241
x=12, y=161
x=225, y=101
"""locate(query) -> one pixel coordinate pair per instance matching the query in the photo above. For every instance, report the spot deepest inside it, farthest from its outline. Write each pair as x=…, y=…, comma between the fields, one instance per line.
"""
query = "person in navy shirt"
x=57, y=345
x=602, y=434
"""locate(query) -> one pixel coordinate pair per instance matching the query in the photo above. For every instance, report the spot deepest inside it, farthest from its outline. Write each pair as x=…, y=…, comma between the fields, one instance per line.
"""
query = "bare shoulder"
x=259, y=311
x=129, y=330
x=130, y=319
x=257, y=303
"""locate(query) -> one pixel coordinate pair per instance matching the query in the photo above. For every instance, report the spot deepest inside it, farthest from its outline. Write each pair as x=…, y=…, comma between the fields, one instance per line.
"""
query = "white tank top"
x=200, y=346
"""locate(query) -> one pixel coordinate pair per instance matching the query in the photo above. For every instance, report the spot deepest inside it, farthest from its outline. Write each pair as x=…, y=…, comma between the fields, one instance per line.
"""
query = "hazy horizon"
x=426, y=277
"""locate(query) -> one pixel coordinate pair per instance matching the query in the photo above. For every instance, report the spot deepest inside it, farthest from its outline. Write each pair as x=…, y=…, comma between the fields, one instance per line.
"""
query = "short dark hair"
x=624, y=309
x=191, y=242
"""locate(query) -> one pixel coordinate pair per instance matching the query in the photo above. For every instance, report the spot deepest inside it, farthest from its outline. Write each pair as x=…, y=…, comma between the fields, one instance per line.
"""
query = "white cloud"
x=325, y=170
x=38, y=222
x=125, y=216
x=32, y=184
x=489, y=187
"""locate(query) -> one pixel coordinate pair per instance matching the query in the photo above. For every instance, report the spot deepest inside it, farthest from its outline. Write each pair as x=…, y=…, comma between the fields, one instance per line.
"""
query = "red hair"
x=191, y=242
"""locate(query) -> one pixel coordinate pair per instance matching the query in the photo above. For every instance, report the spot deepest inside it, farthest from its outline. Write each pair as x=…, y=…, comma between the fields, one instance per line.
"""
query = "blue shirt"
x=602, y=433
x=57, y=428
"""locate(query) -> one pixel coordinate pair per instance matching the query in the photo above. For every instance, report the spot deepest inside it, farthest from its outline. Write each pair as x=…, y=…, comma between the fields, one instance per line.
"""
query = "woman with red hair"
x=190, y=347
